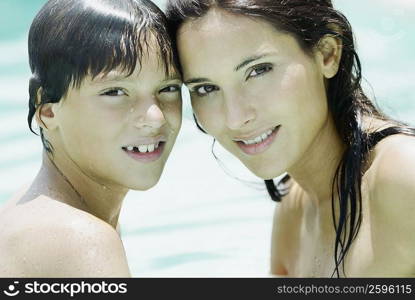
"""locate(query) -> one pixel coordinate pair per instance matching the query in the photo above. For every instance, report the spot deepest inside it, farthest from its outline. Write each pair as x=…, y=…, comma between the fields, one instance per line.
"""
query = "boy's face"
x=119, y=130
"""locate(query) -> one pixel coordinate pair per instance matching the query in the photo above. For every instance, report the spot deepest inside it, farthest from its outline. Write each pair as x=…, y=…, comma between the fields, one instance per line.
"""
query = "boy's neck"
x=63, y=177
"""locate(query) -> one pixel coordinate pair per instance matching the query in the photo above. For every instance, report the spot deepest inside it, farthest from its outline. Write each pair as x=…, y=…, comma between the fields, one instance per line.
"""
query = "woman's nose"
x=238, y=112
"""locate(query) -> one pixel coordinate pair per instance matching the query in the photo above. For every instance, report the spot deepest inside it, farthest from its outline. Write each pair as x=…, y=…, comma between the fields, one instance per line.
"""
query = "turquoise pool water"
x=198, y=221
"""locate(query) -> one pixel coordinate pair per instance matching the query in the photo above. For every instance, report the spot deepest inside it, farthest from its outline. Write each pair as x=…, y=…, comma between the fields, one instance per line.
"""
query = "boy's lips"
x=145, y=156
x=146, y=141
x=146, y=149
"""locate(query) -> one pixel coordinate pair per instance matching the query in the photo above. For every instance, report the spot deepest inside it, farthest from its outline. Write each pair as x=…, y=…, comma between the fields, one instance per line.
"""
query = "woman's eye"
x=205, y=89
x=170, y=89
x=114, y=92
x=259, y=70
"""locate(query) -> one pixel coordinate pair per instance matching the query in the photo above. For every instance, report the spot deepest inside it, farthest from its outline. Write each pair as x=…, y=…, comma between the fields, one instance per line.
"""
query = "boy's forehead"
x=113, y=75
x=121, y=75
x=151, y=59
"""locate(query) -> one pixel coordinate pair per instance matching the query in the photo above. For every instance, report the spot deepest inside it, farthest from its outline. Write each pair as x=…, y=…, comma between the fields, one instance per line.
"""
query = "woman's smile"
x=258, y=144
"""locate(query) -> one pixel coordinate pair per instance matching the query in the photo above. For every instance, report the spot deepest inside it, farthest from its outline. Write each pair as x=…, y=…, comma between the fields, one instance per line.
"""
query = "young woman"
x=106, y=96
x=277, y=83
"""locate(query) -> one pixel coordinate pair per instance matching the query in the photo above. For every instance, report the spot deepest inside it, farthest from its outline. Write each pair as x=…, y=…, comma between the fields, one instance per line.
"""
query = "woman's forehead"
x=219, y=29
x=227, y=47
x=220, y=20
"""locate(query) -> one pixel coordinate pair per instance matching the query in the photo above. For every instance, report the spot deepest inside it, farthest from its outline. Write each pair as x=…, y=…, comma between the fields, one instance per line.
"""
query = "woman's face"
x=120, y=130
x=254, y=89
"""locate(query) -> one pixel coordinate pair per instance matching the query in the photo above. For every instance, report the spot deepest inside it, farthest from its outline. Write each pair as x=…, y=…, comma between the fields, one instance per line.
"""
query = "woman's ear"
x=45, y=113
x=330, y=52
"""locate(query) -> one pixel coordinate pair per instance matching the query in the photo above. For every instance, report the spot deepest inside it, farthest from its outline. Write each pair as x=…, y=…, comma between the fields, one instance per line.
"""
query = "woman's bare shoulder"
x=47, y=238
x=392, y=168
x=390, y=182
x=285, y=230
x=292, y=204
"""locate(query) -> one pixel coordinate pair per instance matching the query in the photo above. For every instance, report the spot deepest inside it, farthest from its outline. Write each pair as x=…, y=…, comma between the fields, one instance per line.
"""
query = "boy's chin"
x=144, y=186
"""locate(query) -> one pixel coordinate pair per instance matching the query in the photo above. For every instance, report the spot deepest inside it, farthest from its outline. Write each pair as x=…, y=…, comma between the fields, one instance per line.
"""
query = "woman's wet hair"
x=308, y=21
x=72, y=39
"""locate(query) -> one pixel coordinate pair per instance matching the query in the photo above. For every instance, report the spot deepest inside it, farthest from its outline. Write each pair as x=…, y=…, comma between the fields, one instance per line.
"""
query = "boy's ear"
x=45, y=113
x=330, y=53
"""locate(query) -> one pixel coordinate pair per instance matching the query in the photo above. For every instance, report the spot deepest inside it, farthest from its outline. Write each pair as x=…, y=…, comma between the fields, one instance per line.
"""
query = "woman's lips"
x=146, y=156
x=260, y=147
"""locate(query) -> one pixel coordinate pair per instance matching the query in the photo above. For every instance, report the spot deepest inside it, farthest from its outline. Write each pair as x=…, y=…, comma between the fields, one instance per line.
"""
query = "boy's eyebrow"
x=109, y=78
x=196, y=80
x=173, y=77
x=121, y=77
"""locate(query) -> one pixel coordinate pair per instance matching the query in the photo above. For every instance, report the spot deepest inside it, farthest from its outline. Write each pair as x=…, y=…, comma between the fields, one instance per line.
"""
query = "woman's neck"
x=62, y=176
x=315, y=171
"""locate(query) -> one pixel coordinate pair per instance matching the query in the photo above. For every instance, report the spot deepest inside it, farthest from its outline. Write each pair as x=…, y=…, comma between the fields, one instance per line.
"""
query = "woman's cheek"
x=207, y=115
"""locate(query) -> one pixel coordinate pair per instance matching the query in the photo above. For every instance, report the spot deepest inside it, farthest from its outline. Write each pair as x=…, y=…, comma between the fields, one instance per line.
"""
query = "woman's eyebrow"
x=251, y=59
x=245, y=62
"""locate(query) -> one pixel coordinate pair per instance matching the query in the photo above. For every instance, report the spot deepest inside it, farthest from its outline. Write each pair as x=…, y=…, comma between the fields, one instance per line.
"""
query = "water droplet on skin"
x=91, y=166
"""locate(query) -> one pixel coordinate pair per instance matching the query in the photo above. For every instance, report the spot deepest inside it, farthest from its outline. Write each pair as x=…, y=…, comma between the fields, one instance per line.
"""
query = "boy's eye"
x=202, y=90
x=259, y=70
x=170, y=89
x=114, y=92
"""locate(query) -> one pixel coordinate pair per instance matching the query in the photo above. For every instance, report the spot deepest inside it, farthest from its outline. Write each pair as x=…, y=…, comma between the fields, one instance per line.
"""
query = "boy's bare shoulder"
x=47, y=238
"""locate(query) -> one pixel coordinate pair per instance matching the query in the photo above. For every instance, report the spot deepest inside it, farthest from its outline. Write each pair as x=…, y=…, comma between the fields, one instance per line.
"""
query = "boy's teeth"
x=157, y=145
x=264, y=136
x=258, y=139
x=142, y=148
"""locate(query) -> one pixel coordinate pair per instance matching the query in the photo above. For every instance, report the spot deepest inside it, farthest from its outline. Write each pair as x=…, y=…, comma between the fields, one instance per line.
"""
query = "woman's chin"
x=266, y=172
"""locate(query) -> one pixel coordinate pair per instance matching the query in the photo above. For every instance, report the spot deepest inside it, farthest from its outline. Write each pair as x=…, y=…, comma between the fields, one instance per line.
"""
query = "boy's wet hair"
x=72, y=39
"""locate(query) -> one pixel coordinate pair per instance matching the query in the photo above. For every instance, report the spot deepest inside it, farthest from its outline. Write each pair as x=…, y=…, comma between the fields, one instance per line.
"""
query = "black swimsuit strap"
x=376, y=137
